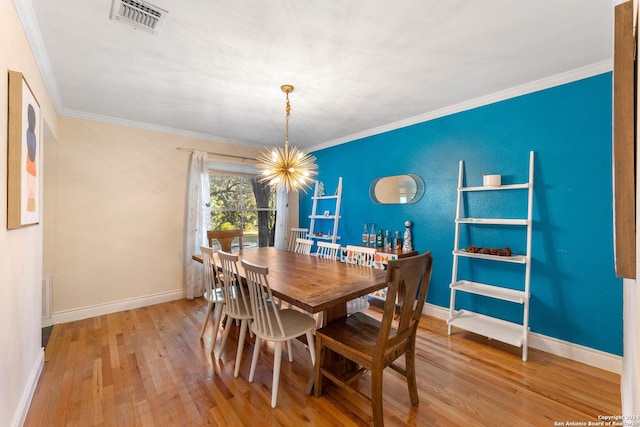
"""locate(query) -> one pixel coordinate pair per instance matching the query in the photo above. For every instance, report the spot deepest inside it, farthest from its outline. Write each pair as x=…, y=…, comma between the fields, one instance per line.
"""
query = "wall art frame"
x=24, y=141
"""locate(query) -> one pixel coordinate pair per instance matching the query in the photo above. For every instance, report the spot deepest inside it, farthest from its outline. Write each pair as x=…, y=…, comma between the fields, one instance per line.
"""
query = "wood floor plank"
x=149, y=367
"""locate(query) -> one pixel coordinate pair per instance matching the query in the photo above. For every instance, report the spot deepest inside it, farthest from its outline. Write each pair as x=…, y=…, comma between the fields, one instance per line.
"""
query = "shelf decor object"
x=516, y=334
x=287, y=168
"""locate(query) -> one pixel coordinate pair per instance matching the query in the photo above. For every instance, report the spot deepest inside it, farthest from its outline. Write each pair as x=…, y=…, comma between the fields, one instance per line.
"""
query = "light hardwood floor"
x=148, y=367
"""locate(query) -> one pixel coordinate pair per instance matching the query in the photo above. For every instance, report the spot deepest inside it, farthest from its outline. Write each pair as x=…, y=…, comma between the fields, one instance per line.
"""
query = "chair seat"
x=242, y=313
x=215, y=296
x=294, y=323
x=357, y=331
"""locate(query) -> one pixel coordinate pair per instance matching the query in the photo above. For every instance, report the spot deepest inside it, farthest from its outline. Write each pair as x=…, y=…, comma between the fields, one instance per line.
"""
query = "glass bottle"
x=398, y=241
x=372, y=235
x=380, y=239
x=387, y=240
x=365, y=235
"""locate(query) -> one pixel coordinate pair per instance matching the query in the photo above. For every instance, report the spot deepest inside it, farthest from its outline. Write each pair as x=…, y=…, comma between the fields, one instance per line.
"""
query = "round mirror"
x=397, y=189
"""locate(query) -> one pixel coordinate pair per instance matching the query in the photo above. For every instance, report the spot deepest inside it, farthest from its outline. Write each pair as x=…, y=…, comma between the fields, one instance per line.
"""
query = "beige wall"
x=21, y=355
x=114, y=235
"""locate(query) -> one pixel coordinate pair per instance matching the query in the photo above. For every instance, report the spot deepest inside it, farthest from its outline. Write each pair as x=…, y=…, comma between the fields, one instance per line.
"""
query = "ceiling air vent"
x=139, y=14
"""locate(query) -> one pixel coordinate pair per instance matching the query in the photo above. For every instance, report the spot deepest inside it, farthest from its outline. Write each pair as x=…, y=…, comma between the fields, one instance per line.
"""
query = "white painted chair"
x=271, y=323
x=328, y=250
x=213, y=293
x=303, y=246
x=296, y=233
x=237, y=306
x=364, y=256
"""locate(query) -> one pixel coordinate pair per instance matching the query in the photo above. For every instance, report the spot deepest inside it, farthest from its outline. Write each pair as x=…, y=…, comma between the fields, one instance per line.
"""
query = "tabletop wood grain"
x=311, y=283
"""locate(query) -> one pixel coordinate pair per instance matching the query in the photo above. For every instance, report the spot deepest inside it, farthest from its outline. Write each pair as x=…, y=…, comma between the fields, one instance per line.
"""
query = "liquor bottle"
x=372, y=235
x=365, y=235
x=387, y=240
x=380, y=240
x=398, y=241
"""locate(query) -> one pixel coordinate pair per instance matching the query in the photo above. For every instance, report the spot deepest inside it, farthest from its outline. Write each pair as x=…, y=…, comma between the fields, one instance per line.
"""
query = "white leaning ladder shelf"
x=509, y=332
x=331, y=220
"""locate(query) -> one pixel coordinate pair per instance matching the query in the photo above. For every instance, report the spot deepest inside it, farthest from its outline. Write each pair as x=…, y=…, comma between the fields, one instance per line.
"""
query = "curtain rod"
x=191, y=150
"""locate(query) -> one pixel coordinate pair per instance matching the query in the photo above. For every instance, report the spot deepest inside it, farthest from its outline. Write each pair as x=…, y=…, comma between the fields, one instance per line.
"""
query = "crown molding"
x=156, y=128
x=534, y=86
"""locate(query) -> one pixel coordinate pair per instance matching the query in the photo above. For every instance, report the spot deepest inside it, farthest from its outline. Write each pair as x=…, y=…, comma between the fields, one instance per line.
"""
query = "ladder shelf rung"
x=493, y=221
x=506, y=294
x=518, y=259
x=491, y=327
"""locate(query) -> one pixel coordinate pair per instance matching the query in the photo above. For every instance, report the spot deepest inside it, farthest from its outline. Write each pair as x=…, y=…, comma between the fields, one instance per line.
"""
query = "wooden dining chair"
x=373, y=345
x=271, y=323
x=303, y=246
x=237, y=304
x=328, y=250
x=213, y=293
x=296, y=233
x=364, y=256
x=225, y=238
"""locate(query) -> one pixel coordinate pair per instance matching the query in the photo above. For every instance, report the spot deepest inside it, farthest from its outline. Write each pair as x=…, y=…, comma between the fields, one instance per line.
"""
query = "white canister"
x=492, y=180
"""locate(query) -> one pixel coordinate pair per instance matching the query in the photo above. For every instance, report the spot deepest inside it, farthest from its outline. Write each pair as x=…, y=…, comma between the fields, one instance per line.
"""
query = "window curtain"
x=282, y=219
x=198, y=221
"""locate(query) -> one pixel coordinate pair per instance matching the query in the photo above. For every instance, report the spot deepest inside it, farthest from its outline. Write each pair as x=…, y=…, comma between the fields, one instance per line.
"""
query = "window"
x=241, y=201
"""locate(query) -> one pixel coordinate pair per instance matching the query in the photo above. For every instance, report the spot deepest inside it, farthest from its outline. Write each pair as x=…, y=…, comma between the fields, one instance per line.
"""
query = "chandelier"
x=287, y=168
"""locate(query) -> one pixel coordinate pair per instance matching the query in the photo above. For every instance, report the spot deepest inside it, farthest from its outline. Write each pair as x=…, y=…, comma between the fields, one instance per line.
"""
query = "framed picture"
x=23, y=154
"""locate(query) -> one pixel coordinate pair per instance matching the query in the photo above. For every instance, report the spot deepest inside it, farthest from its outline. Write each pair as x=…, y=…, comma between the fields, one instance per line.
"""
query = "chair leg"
x=376, y=396
x=410, y=365
x=206, y=319
x=317, y=367
x=312, y=347
x=225, y=335
x=290, y=350
x=241, y=336
x=217, y=318
x=277, y=359
x=254, y=359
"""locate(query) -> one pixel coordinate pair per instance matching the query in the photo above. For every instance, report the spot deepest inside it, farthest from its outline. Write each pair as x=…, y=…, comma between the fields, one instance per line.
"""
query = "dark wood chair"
x=373, y=345
x=225, y=237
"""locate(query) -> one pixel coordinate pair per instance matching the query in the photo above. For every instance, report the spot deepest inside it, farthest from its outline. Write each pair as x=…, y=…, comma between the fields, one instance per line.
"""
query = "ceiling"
x=359, y=67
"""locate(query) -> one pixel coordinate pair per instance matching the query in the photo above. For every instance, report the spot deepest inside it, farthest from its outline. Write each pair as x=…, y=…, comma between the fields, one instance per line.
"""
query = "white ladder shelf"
x=511, y=333
x=332, y=217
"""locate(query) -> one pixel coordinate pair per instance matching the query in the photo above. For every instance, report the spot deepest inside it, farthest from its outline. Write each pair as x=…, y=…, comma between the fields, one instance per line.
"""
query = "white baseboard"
x=599, y=359
x=27, y=394
x=113, y=307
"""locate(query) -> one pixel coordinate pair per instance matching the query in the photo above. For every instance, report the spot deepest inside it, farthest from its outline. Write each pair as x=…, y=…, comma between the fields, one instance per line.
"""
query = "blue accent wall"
x=575, y=294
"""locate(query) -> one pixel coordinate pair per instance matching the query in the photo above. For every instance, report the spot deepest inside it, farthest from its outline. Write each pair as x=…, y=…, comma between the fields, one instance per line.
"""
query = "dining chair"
x=373, y=345
x=328, y=250
x=225, y=238
x=364, y=256
x=303, y=246
x=213, y=293
x=296, y=233
x=237, y=307
x=271, y=323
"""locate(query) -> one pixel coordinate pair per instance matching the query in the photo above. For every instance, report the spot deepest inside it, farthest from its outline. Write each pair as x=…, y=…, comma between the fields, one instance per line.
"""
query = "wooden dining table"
x=311, y=283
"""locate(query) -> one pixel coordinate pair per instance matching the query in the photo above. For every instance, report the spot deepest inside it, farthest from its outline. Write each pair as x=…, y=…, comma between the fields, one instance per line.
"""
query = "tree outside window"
x=242, y=202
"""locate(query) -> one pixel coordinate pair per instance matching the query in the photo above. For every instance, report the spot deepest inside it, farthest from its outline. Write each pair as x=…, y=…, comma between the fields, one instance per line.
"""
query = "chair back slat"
x=360, y=255
x=209, y=269
x=407, y=285
x=266, y=315
x=303, y=246
x=328, y=250
x=295, y=234
x=234, y=294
